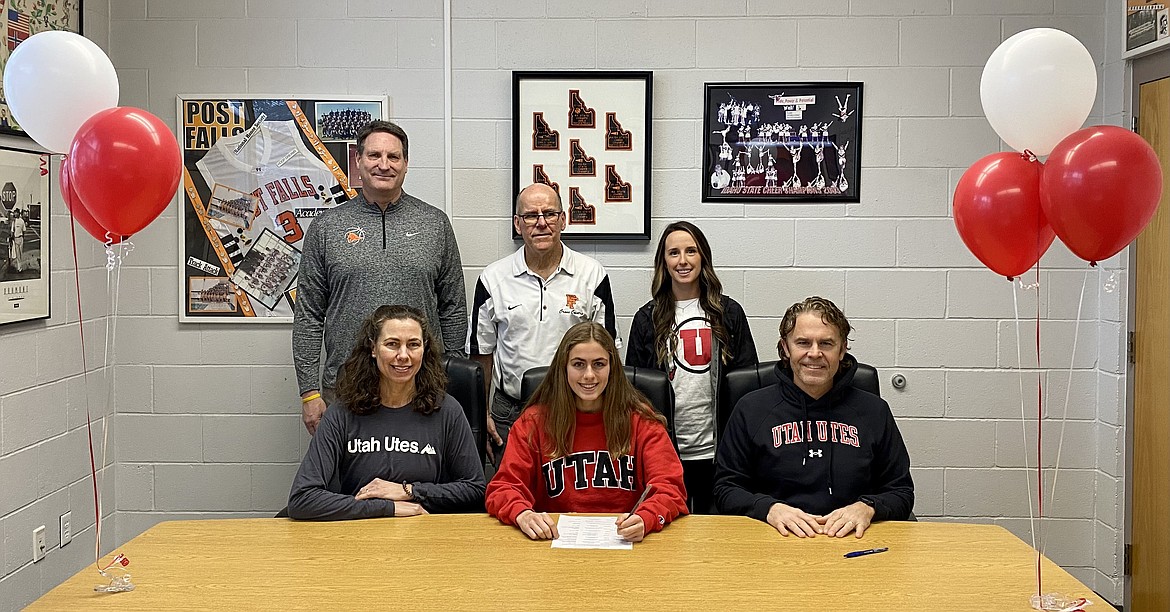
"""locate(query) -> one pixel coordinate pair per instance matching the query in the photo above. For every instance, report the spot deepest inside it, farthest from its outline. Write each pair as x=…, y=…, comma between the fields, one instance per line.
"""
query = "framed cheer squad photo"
x=587, y=135
x=772, y=142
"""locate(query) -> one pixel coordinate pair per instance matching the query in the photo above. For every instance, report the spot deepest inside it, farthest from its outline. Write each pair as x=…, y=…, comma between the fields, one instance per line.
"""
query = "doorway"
x=1149, y=422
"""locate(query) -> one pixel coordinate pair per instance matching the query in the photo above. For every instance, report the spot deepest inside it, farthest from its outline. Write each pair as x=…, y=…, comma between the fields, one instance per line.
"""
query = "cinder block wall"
x=208, y=420
x=44, y=456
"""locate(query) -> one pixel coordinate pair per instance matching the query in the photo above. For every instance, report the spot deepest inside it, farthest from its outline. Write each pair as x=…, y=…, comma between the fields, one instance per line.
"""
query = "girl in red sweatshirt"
x=588, y=442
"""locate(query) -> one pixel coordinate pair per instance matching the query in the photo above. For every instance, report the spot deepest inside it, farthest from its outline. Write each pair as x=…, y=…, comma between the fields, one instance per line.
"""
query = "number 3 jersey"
x=268, y=170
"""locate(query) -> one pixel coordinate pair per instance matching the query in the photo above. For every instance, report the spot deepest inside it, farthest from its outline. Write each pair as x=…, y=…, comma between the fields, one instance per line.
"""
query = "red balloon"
x=997, y=212
x=125, y=165
x=80, y=212
x=1099, y=189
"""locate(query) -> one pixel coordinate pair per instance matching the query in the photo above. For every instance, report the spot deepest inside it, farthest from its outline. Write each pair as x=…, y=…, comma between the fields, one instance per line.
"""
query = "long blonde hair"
x=619, y=400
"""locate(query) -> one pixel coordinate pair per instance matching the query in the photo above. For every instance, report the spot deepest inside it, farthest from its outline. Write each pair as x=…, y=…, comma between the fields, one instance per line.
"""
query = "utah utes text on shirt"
x=587, y=469
x=797, y=432
x=391, y=444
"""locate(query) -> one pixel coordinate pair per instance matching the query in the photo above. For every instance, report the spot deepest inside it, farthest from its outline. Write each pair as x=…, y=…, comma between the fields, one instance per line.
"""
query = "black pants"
x=699, y=478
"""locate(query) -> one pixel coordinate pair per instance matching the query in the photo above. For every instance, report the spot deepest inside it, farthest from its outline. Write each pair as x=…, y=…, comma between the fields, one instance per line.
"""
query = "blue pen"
x=860, y=553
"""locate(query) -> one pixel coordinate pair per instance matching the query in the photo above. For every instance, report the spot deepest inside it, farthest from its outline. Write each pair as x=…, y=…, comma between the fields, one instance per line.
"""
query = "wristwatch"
x=869, y=501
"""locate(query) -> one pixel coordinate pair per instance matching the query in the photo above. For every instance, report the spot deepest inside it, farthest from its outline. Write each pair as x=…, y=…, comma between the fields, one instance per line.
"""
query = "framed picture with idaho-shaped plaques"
x=256, y=171
x=587, y=135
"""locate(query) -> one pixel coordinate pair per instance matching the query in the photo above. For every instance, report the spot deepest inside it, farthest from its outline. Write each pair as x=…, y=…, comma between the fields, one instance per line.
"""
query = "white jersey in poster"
x=287, y=183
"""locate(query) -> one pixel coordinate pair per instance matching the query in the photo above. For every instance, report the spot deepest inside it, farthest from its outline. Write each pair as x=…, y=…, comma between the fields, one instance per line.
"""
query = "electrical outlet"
x=66, y=532
x=38, y=543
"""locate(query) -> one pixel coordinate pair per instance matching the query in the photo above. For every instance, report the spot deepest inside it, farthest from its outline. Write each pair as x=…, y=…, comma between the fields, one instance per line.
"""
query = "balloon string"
x=1039, y=441
x=1023, y=414
x=97, y=519
x=1067, y=394
x=110, y=349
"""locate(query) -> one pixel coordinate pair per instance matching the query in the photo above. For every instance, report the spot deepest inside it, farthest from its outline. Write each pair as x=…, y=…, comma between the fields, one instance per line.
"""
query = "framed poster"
x=587, y=135
x=1147, y=26
x=772, y=142
x=256, y=171
x=20, y=19
x=24, y=235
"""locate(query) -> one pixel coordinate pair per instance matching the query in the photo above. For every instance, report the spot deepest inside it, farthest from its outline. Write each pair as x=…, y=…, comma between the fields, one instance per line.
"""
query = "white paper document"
x=589, y=532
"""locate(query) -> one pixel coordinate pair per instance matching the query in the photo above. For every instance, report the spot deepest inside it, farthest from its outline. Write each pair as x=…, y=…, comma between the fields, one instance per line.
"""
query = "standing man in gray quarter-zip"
x=383, y=247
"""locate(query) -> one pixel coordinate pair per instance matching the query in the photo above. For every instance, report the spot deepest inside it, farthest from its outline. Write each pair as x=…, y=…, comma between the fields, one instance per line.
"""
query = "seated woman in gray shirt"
x=394, y=443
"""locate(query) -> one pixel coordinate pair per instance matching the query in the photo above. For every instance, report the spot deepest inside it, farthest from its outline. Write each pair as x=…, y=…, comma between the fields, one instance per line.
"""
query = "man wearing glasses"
x=526, y=301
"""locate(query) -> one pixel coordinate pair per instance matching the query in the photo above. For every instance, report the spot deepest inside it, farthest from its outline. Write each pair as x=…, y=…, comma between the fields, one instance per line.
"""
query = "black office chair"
x=742, y=381
x=465, y=384
x=652, y=383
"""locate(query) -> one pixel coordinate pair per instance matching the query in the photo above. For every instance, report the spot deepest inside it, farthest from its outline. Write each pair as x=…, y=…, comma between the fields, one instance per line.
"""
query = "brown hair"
x=358, y=379
x=387, y=127
x=710, y=297
x=830, y=315
x=619, y=400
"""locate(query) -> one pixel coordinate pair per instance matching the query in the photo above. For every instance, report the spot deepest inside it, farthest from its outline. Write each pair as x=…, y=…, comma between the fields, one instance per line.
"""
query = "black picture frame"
x=25, y=235
x=782, y=142
x=37, y=16
x=588, y=134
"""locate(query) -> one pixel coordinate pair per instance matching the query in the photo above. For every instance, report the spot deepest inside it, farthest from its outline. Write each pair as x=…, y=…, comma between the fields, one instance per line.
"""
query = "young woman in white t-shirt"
x=695, y=334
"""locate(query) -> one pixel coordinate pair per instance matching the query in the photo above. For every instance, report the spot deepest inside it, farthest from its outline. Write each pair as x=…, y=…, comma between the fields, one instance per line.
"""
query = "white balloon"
x=53, y=82
x=1038, y=87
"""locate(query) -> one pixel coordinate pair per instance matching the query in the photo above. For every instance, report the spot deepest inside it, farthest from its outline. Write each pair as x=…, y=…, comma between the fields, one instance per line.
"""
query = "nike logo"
x=410, y=235
x=513, y=307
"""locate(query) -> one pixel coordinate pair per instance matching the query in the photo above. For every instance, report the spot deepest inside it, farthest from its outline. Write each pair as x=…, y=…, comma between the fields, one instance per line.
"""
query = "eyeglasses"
x=549, y=217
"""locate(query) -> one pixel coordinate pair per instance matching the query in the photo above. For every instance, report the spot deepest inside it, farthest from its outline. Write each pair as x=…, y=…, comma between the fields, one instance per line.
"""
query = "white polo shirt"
x=519, y=318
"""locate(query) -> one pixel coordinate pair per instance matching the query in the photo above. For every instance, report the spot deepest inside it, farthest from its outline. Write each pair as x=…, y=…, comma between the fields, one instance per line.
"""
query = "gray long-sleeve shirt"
x=358, y=257
x=435, y=453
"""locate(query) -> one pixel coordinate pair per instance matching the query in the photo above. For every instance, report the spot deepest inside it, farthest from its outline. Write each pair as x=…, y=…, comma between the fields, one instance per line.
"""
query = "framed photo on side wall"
x=24, y=235
x=20, y=19
x=587, y=135
x=1147, y=27
x=773, y=142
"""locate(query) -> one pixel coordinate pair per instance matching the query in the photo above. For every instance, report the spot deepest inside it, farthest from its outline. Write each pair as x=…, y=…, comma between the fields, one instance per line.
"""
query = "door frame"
x=1139, y=71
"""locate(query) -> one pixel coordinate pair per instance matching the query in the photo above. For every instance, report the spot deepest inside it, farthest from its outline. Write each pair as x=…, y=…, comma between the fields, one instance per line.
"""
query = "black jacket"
x=855, y=450
x=642, y=353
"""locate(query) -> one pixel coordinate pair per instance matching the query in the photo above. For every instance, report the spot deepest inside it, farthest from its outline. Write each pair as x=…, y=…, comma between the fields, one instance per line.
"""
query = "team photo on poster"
x=256, y=172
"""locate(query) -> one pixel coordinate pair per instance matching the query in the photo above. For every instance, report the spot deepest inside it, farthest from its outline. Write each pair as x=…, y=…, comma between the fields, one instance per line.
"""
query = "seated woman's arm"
x=315, y=494
x=662, y=470
x=462, y=486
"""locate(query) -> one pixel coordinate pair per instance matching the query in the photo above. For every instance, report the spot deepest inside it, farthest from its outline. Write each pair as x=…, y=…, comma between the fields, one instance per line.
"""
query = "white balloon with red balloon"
x=1037, y=87
x=53, y=82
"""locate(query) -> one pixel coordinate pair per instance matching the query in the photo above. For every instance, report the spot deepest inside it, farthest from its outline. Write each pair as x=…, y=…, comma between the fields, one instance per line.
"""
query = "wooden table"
x=471, y=562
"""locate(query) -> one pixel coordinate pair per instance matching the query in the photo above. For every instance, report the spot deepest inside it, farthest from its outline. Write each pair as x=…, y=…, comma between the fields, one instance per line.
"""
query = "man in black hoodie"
x=812, y=454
